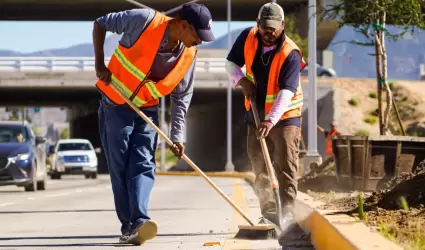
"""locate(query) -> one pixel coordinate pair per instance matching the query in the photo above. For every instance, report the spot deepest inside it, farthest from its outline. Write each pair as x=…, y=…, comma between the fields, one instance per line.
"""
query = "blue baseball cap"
x=200, y=18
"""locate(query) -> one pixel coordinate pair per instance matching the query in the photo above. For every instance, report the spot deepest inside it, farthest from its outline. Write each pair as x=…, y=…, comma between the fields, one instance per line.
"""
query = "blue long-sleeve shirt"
x=131, y=24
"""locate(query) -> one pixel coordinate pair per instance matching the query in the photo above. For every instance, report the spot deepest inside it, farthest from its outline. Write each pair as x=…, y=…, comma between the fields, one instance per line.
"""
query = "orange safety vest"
x=250, y=49
x=329, y=142
x=130, y=68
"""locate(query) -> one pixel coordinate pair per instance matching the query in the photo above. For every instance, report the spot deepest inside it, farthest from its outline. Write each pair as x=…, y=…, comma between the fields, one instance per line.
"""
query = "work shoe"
x=124, y=238
x=143, y=232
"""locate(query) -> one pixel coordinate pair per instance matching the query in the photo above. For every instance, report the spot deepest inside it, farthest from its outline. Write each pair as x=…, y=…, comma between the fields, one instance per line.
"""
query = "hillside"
x=361, y=117
x=404, y=56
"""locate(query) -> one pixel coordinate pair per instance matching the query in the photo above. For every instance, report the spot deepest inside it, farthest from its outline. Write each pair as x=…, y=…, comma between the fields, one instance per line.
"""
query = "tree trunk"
x=384, y=79
x=379, y=76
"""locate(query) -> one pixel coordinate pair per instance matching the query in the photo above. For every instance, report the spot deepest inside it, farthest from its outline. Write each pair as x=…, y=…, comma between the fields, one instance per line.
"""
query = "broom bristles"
x=255, y=233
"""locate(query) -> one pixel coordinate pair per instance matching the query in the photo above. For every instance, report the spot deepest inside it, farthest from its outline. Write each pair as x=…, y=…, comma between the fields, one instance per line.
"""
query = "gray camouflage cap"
x=271, y=15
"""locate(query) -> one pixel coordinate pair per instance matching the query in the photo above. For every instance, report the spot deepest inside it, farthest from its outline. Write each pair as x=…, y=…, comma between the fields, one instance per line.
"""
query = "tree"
x=64, y=133
x=369, y=17
x=14, y=116
x=292, y=32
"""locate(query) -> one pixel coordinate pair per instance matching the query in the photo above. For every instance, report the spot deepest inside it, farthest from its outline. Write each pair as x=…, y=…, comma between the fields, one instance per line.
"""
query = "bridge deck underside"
x=88, y=10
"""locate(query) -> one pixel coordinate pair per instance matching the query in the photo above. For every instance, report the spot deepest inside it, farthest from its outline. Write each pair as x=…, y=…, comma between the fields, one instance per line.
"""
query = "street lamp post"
x=312, y=153
x=229, y=164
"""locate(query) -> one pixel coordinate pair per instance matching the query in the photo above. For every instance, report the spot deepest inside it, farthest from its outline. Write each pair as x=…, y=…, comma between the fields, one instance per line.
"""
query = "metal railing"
x=81, y=64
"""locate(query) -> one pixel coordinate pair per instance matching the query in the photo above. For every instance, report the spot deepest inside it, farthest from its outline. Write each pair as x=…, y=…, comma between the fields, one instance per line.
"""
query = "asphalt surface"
x=75, y=213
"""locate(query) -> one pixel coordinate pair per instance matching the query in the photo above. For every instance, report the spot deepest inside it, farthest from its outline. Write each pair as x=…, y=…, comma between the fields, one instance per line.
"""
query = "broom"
x=251, y=231
x=273, y=180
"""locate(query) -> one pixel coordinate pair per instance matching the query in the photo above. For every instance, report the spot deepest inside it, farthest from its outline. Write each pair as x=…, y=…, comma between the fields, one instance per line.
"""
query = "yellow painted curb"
x=323, y=234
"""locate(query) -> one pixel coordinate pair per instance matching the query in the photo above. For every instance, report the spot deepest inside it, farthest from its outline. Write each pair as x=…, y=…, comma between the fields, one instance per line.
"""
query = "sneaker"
x=124, y=238
x=142, y=233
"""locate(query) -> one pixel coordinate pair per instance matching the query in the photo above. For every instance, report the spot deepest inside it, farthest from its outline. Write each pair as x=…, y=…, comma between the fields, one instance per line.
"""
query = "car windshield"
x=13, y=134
x=70, y=146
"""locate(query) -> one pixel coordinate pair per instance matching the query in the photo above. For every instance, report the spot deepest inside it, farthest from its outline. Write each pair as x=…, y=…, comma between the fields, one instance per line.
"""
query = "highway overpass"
x=89, y=10
x=69, y=82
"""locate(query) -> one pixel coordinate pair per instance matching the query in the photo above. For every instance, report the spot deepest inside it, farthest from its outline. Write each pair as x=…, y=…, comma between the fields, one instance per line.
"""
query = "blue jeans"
x=129, y=145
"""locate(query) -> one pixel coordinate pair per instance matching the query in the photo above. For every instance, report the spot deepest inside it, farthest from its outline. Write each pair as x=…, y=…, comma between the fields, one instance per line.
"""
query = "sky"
x=30, y=36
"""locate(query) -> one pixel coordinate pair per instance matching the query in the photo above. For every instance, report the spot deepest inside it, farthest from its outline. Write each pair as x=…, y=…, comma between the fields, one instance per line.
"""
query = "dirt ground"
x=350, y=119
x=384, y=210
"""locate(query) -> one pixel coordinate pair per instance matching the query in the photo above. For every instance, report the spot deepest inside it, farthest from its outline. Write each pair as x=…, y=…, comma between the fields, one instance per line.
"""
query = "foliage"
x=370, y=120
x=372, y=95
x=14, y=115
x=292, y=32
x=362, y=132
x=37, y=130
x=364, y=17
x=64, y=134
x=353, y=101
x=369, y=17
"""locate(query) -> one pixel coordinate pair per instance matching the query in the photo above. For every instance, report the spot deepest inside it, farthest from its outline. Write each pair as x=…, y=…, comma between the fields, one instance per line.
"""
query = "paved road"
x=78, y=213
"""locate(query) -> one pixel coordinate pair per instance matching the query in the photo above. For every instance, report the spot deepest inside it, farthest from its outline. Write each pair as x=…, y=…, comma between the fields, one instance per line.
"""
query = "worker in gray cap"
x=273, y=64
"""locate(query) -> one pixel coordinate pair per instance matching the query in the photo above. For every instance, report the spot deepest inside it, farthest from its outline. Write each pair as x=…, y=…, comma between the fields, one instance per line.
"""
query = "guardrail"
x=81, y=64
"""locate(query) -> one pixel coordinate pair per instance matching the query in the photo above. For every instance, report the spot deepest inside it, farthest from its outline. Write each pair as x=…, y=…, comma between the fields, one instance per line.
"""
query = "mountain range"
x=350, y=60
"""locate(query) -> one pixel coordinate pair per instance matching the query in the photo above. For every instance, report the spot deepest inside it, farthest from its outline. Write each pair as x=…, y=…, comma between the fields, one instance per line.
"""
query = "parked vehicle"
x=321, y=71
x=73, y=157
x=22, y=156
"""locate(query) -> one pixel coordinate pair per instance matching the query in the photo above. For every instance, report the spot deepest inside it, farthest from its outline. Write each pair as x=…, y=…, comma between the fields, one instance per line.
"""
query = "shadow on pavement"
x=70, y=245
x=101, y=236
x=57, y=211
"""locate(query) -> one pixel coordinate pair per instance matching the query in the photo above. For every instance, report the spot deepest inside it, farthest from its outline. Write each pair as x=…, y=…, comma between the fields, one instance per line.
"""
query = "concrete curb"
x=327, y=230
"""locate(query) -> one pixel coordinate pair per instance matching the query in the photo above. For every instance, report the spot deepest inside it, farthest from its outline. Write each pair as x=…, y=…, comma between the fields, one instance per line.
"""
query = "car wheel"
x=87, y=176
x=94, y=175
x=31, y=187
x=325, y=74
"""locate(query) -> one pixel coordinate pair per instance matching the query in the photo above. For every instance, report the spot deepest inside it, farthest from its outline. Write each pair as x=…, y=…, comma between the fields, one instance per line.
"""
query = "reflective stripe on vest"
x=131, y=67
x=136, y=73
x=251, y=44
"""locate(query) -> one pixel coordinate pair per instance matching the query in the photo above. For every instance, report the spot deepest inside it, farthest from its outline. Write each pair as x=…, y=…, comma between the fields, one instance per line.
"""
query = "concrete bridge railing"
x=84, y=64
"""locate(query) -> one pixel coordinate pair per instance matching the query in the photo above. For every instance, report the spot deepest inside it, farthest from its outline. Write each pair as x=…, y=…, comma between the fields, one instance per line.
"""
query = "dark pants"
x=129, y=144
x=282, y=143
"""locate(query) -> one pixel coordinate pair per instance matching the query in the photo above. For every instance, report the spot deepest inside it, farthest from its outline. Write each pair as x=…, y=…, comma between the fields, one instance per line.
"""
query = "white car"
x=74, y=156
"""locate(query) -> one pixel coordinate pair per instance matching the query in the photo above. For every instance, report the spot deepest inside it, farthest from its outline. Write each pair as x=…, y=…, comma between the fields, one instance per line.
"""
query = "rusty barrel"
x=366, y=163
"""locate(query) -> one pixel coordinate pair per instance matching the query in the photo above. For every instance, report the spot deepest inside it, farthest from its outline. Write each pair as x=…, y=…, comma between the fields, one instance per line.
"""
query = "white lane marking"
x=6, y=204
x=31, y=198
x=55, y=195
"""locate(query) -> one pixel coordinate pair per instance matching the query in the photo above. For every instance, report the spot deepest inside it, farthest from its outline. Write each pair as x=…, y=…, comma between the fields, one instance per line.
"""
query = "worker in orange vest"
x=328, y=133
x=273, y=64
x=155, y=57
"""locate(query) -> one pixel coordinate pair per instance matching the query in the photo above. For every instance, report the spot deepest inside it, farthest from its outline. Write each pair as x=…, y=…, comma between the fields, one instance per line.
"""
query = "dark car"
x=22, y=156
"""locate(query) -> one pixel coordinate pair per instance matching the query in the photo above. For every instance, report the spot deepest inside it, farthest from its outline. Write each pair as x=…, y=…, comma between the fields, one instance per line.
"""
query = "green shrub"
x=370, y=120
x=362, y=132
x=374, y=113
x=391, y=85
x=353, y=101
x=373, y=95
